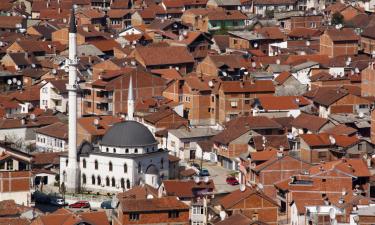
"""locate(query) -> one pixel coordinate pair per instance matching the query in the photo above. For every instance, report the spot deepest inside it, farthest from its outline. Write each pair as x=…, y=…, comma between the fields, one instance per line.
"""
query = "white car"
x=58, y=201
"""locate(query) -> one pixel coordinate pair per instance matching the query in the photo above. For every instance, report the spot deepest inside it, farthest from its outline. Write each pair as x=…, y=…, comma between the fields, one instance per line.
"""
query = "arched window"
x=114, y=150
x=125, y=168
x=99, y=181
x=64, y=176
x=136, y=150
x=127, y=150
x=107, y=149
x=113, y=182
x=122, y=183
x=139, y=167
x=93, y=180
x=110, y=166
x=84, y=163
x=96, y=164
x=127, y=184
x=83, y=179
x=162, y=163
x=66, y=162
x=107, y=181
x=153, y=148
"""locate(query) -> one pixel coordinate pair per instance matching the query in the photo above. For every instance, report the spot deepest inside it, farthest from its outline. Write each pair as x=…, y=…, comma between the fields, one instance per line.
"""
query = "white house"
x=53, y=138
x=182, y=142
x=53, y=95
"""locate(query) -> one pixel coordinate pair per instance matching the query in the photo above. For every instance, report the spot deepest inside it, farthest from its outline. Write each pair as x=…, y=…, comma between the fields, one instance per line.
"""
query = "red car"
x=80, y=204
x=232, y=181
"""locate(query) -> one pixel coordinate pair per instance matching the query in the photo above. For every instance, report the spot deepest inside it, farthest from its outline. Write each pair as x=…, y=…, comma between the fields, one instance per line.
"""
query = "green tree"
x=337, y=18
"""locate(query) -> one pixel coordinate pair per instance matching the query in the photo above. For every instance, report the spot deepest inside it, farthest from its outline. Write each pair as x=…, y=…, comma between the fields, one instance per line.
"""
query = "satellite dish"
x=177, y=68
x=308, y=43
x=255, y=45
x=242, y=188
x=253, y=64
x=9, y=81
x=222, y=215
x=246, y=73
x=225, y=74
x=332, y=140
x=210, y=83
x=278, y=61
x=14, y=80
x=196, y=179
x=361, y=114
x=33, y=65
x=332, y=213
x=32, y=116
x=19, y=82
x=96, y=122
x=356, y=70
x=206, y=179
x=54, y=71
x=260, y=186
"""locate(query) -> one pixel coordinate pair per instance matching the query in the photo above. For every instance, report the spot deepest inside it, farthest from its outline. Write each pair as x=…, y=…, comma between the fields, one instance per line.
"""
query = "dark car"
x=204, y=173
x=232, y=181
x=106, y=205
x=80, y=204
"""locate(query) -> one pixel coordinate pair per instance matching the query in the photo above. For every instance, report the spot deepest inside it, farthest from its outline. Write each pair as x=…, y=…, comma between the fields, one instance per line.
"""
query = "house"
x=233, y=141
x=279, y=106
x=262, y=7
x=260, y=143
x=237, y=218
x=85, y=34
x=182, y=142
x=335, y=42
x=367, y=88
x=222, y=66
x=197, y=194
x=65, y=216
x=289, y=23
x=163, y=119
x=53, y=95
x=330, y=101
x=214, y=19
x=16, y=186
x=235, y=97
x=164, y=57
x=287, y=85
x=348, y=11
x=90, y=130
x=152, y=211
x=44, y=31
x=229, y=5
x=267, y=171
x=53, y=138
x=119, y=19
x=13, y=159
x=18, y=61
x=307, y=124
x=252, y=203
x=325, y=147
x=12, y=23
x=90, y=16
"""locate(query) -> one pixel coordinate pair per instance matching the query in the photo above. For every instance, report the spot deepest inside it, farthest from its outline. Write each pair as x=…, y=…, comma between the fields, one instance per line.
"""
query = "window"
x=125, y=168
x=173, y=144
x=235, y=41
x=247, y=102
x=66, y=162
x=107, y=181
x=127, y=150
x=83, y=179
x=114, y=150
x=360, y=146
x=113, y=182
x=233, y=104
x=198, y=210
x=99, y=181
x=93, y=180
x=136, y=150
x=322, y=154
x=212, y=98
x=96, y=164
x=84, y=163
x=162, y=163
x=10, y=164
x=107, y=149
x=122, y=183
x=110, y=166
x=139, y=167
x=363, y=106
x=128, y=184
x=134, y=216
x=173, y=214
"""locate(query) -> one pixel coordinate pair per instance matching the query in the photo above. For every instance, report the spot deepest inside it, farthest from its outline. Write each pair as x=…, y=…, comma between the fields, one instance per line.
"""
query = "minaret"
x=72, y=183
x=130, y=100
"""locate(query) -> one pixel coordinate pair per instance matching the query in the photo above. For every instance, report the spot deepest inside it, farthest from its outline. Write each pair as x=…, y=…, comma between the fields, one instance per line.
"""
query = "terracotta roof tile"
x=309, y=122
x=355, y=167
x=164, y=55
x=58, y=130
x=154, y=204
x=46, y=158
x=282, y=102
x=185, y=188
x=272, y=141
x=105, y=122
x=346, y=34
x=259, y=86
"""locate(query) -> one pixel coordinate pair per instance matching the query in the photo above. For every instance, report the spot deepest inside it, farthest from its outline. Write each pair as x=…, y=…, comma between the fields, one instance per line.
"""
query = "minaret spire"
x=72, y=170
x=130, y=100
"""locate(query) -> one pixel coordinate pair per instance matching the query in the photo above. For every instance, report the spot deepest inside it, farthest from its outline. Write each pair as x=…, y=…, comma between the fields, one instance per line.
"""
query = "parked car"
x=204, y=173
x=80, y=204
x=196, y=165
x=57, y=201
x=106, y=205
x=232, y=181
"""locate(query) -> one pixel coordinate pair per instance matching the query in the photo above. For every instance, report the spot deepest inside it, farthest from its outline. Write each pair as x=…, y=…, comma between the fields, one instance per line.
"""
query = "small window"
x=173, y=214
x=66, y=162
x=125, y=168
x=83, y=179
x=122, y=183
x=127, y=150
x=139, y=167
x=136, y=150
x=134, y=216
x=99, y=181
x=110, y=166
x=107, y=181
x=114, y=150
x=96, y=164
x=93, y=180
x=84, y=163
x=162, y=163
x=113, y=182
x=107, y=149
x=247, y=102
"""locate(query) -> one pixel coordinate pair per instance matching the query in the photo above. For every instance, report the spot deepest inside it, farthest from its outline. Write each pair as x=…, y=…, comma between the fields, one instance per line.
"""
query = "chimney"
x=59, y=10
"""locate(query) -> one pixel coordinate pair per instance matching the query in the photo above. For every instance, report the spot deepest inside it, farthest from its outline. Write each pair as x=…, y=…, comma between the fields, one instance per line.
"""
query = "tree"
x=337, y=18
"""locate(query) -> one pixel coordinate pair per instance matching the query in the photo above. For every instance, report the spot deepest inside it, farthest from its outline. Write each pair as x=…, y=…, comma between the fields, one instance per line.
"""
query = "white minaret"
x=130, y=100
x=72, y=181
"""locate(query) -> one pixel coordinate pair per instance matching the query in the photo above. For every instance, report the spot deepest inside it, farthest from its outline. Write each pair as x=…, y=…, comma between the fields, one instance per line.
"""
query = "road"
x=219, y=175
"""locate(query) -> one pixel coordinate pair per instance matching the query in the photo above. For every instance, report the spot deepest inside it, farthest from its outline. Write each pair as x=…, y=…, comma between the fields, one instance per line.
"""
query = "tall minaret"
x=72, y=183
x=130, y=100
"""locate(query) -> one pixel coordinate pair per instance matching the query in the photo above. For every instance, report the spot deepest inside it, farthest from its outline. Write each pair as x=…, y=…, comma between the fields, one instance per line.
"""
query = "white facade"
x=51, y=144
x=51, y=99
x=20, y=197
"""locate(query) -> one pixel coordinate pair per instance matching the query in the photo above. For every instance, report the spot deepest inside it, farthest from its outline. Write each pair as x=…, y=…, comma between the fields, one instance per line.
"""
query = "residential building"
x=53, y=138
x=336, y=42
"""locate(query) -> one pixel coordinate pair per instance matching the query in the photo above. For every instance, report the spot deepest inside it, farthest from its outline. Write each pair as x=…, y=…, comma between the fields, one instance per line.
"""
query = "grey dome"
x=128, y=134
x=152, y=170
x=85, y=148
